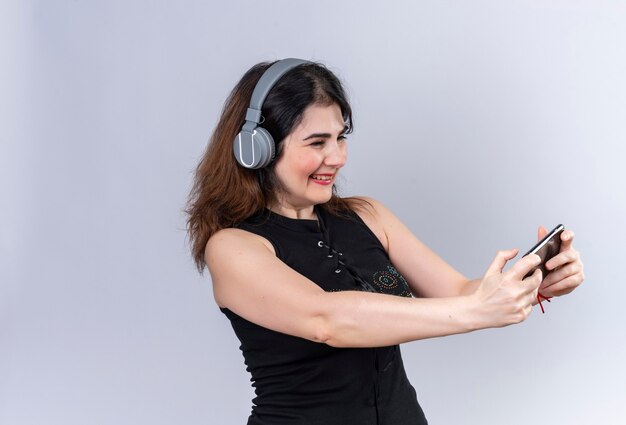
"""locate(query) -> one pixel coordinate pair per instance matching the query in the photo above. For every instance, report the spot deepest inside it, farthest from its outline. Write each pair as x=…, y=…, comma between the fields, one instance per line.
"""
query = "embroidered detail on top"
x=389, y=280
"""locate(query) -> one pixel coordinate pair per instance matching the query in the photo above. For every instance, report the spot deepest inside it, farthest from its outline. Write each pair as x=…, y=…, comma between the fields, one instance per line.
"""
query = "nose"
x=337, y=154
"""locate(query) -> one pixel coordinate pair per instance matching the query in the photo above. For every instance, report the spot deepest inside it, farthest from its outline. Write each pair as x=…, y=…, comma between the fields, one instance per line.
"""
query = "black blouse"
x=298, y=381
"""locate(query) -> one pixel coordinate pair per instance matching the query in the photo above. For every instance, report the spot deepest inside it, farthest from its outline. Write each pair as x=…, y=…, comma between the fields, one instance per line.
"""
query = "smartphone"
x=546, y=248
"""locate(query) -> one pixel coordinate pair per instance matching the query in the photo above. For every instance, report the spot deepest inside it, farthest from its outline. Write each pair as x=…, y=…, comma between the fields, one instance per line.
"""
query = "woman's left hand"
x=565, y=269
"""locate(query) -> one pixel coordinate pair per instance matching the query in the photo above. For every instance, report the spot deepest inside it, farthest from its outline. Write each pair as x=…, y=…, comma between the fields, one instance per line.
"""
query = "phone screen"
x=546, y=248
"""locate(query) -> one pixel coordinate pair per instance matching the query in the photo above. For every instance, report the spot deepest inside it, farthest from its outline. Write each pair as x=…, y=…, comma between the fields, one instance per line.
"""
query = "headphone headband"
x=265, y=84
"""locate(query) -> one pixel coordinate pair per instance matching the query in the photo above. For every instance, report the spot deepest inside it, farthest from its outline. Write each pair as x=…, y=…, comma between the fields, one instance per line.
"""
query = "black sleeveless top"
x=298, y=381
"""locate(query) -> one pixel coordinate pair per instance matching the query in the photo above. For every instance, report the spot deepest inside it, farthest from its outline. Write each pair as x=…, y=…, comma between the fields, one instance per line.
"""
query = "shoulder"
x=365, y=205
x=374, y=210
x=230, y=252
x=226, y=243
x=373, y=213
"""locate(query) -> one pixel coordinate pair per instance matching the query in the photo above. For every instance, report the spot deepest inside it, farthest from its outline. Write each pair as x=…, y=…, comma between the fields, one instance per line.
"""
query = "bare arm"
x=430, y=276
x=249, y=279
x=470, y=287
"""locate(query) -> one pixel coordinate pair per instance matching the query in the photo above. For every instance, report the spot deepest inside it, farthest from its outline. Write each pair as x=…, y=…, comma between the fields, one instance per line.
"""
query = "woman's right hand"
x=505, y=298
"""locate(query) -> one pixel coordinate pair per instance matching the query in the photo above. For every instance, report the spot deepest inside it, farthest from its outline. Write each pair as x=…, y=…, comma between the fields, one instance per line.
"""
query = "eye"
x=342, y=138
x=318, y=143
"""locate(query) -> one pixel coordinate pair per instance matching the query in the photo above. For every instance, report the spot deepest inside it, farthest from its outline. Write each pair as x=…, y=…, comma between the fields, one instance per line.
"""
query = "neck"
x=306, y=213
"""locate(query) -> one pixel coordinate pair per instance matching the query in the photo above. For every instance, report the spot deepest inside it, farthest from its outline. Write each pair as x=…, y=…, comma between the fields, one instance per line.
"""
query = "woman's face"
x=312, y=155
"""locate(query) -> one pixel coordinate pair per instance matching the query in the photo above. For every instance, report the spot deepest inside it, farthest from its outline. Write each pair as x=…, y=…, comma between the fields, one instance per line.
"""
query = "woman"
x=320, y=289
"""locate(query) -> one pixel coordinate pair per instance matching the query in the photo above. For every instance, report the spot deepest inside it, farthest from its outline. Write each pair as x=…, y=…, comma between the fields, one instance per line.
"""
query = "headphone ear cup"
x=254, y=149
x=263, y=146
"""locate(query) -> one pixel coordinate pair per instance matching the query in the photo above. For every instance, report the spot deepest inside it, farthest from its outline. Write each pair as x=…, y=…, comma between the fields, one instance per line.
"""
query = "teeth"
x=323, y=178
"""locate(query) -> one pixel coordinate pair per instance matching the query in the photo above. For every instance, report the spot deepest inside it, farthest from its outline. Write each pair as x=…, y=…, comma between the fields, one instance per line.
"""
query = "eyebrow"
x=324, y=135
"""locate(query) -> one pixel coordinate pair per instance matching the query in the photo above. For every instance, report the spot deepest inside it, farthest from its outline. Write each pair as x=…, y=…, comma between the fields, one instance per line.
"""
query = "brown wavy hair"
x=224, y=193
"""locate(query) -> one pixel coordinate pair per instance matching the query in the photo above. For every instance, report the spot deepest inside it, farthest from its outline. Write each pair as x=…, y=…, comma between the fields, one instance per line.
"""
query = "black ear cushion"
x=263, y=146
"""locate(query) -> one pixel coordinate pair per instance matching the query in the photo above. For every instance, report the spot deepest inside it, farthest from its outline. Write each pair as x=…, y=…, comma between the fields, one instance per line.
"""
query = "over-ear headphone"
x=254, y=147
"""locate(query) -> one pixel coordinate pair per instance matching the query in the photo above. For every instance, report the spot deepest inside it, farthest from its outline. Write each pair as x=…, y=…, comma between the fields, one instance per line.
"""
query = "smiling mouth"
x=322, y=177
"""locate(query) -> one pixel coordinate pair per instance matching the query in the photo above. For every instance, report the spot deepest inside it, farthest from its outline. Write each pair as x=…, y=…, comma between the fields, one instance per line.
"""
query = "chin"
x=319, y=196
x=323, y=200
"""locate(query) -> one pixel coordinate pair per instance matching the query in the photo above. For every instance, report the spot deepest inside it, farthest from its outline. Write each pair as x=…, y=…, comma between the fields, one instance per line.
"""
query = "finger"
x=564, y=286
x=564, y=257
x=533, y=281
x=500, y=260
x=567, y=237
x=524, y=265
x=559, y=293
x=562, y=273
x=541, y=233
x=532, y=296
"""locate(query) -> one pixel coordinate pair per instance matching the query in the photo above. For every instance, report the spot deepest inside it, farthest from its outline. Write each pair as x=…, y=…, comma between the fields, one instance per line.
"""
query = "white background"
x=476, y=121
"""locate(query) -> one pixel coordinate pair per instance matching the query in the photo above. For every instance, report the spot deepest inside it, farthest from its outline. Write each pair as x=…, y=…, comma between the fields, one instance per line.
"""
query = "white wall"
x=475, y=122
